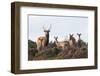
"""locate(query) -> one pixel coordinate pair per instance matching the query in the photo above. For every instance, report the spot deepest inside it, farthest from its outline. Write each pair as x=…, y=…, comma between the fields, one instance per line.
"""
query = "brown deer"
x=72, y=40
x=43, y=41
x=61, y=44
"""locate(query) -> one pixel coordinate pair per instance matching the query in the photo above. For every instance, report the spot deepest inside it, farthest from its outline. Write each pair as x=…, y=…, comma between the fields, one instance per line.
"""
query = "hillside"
x=52, y=52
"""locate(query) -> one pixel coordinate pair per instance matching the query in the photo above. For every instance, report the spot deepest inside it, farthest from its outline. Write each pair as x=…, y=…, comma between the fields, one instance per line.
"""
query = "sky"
x=62, y=26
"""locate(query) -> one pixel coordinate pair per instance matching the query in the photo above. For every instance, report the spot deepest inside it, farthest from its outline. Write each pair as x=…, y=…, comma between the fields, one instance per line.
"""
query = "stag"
x=61, y=44
x=43, y=41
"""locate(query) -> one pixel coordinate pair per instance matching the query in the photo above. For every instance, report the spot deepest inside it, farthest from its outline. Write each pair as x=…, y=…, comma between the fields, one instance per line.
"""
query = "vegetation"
x=53, y=52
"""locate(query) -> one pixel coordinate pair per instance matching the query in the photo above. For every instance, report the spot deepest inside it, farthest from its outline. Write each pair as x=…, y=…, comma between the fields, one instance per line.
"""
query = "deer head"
x=56, y=37
x=47, y=30
x=70, y=36
x=79, y=35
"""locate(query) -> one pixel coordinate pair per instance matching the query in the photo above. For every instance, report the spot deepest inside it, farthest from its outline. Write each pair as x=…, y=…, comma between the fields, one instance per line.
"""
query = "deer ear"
x=44, y=30
x=56, y=37
x=48, y=30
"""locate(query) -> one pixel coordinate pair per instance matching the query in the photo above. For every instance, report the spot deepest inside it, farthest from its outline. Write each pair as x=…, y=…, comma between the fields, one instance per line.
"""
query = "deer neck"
x=47, y=39
x=79, y=38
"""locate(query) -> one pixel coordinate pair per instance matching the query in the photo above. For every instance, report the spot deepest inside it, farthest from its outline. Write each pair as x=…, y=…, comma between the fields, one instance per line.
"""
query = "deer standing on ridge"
x=43, y=41
x=72, y=40
x=61, y=44
x=79, y=40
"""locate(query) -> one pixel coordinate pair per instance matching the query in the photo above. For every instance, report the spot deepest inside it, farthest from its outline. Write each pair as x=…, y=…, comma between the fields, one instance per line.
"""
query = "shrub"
x=31, y=44
x=50, y=52
x=31, y=53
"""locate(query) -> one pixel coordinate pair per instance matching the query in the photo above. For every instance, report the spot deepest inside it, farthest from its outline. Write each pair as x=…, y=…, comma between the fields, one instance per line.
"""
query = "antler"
x=50, y=27
x=44, y=28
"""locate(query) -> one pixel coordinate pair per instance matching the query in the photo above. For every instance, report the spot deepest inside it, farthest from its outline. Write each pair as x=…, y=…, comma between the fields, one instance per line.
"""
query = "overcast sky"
x=62, y=26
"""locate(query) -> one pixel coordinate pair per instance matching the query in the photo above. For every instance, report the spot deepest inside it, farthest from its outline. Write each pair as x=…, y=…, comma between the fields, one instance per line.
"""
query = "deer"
x=79, y=39
x=60, y=44
x=79, y=35
x=43, y=41
x=72, y=40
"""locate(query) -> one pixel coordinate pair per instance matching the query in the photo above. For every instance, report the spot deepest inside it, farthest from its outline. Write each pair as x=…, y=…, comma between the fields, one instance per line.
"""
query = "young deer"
x=43, y=41
x=72, y=40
